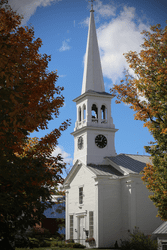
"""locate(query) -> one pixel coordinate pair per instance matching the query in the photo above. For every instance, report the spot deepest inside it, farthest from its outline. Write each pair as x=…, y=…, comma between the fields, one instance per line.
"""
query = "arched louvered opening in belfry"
x=94, y=113
x=84, y=112
x=103, y=114
x=79, y=114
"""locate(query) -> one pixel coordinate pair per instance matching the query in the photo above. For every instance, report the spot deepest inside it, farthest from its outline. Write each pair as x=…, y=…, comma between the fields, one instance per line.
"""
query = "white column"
x=132, y=205
x=96, y=216
x=89, y=113
x=67, y=216
x=99, y=115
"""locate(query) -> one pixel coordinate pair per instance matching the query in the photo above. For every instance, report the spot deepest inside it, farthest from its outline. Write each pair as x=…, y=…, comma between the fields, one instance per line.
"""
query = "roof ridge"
x=128, y=154
x=138, y=155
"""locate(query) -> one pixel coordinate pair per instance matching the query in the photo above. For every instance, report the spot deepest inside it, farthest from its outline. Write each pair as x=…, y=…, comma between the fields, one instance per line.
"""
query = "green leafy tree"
x=147, y=96
x=29, y=99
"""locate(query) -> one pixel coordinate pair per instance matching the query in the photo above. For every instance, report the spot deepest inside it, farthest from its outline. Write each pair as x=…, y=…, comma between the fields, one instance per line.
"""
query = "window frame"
x=79, y=114
x=81, y=195
x=164, y=245
x=71, y=226
x=94, y=113
x=91, y=224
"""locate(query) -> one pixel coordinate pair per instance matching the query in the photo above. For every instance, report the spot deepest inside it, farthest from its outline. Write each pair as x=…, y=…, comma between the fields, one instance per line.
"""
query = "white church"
x=105, y=196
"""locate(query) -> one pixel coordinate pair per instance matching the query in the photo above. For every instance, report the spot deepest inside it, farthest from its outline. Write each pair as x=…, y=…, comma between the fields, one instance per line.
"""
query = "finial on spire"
x=92, y=10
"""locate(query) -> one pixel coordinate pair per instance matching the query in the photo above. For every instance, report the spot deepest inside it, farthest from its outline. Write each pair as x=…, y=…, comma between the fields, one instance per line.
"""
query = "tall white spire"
x=92, y=77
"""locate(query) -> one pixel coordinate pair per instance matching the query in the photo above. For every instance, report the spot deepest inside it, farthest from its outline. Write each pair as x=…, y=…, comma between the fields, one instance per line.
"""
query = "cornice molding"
x=78, y=164
x=94, y=94
x=86, y=128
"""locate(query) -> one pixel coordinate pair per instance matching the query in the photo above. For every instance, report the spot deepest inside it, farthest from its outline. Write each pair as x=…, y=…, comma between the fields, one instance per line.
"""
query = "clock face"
x=101, y=141
x=80, y=142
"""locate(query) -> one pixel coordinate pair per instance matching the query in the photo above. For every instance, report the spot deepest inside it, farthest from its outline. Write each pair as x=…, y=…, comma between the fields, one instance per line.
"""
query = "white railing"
x=94, y=120
x=104, y=121
x=80, y=124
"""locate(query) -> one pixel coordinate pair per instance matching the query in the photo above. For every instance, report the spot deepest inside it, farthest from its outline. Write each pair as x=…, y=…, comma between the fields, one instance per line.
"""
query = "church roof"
x=102, y=170
x=132, y=163
x=55, y=211
x=116, y=166
x=122, y=163
x=162, y=229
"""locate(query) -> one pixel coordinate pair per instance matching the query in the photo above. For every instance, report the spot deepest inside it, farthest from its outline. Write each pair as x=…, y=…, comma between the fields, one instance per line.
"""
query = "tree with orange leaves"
x=29, y=99
x=146, y=93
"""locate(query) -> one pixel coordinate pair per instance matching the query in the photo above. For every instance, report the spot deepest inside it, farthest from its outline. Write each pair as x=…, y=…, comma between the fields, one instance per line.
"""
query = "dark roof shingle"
x=134, y=163
x=104, y=170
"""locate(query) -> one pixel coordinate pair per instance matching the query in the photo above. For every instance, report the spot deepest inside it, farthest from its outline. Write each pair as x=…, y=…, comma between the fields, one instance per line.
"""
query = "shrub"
x=34, y=242
x=78, y=245
x=70, y=245
x=90, y=240
x=43, y=243
x=39, y=233
x=69, y=241
x=54, y=244
x=139, y=241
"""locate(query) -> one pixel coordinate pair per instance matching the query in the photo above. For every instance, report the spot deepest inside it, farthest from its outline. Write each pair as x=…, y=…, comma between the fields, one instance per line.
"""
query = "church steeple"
x=92, y=77
x=94, y=129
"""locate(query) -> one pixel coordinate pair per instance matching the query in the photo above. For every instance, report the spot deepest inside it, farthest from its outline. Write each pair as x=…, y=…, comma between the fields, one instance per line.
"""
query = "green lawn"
x=56, y=248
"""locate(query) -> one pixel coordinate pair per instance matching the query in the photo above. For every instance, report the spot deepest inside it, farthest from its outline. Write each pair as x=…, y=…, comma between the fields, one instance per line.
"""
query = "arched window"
x=94, y=113
x=84, y=112
x=79, y=114
x=103, y=114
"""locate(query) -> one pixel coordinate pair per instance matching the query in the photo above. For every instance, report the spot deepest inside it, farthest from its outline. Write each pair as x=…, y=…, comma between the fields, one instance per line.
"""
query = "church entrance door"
x=81, y=232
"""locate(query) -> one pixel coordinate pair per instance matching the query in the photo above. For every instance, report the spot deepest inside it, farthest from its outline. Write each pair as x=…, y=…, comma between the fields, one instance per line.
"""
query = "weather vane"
x=92, y=3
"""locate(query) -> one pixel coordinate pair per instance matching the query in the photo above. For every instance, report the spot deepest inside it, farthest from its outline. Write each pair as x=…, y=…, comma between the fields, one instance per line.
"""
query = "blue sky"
x=63, y=26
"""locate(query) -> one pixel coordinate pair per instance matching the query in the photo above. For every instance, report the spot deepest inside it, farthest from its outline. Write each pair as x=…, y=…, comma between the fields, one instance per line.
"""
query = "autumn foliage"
x=146, y=93
x=29, y=99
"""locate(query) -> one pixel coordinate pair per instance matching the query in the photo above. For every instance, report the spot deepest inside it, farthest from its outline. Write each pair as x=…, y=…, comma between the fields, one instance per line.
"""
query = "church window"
x=94, y=113
x=164, y=245
x=91, y=227
x=81, y=195
x=71, y=226
x=79, y=114
x=103, y=114
x=84, y=112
